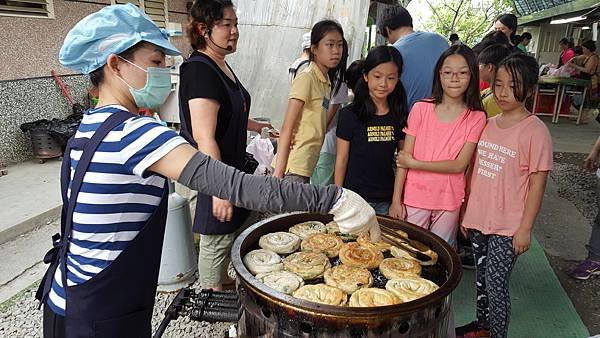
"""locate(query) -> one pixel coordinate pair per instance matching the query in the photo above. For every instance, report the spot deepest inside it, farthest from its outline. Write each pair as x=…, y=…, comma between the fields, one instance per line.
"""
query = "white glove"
x=354, y=215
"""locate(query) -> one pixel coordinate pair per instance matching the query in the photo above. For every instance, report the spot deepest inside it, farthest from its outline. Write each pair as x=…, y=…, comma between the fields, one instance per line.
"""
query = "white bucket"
x=178, y=261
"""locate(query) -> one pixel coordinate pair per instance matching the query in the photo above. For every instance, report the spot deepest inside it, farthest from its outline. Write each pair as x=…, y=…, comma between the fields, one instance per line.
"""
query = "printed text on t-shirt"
x=380, y=133
x=491, y=158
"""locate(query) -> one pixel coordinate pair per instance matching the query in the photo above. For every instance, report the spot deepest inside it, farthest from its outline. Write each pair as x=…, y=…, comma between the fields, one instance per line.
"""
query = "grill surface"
x=269, y=313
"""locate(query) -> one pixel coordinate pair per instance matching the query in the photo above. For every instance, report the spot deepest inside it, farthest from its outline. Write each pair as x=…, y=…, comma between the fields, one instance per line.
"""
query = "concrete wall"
x=270, y=37
x=29, y=46
x=548, y=50
x=28, y=51
x=29, y=100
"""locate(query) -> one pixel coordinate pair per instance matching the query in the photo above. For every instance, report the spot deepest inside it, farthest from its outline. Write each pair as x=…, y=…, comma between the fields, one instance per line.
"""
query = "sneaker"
x=586, y=269
x=472, y=330
x=468, y=261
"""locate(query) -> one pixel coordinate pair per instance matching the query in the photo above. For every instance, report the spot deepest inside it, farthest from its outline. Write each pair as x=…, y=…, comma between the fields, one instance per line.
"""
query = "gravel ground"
x=577, y=186
x=184, y=327
x=20, y=317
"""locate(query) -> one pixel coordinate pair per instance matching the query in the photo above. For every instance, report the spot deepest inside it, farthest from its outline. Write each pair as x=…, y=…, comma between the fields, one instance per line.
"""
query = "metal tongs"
x=403, y=243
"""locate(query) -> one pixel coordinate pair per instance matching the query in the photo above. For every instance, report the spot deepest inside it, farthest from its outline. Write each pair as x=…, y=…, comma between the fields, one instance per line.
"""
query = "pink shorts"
x=443, y=223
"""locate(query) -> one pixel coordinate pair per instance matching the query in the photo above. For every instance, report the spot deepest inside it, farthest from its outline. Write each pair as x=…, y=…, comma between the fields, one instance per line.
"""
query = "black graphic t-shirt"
x=370, y=170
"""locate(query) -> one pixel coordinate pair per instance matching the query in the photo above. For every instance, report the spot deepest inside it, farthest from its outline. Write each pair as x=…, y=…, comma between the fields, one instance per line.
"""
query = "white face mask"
x=156, y=90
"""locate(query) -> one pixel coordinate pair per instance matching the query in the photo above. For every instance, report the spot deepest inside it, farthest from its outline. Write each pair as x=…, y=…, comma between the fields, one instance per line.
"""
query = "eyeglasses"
x=447, y=75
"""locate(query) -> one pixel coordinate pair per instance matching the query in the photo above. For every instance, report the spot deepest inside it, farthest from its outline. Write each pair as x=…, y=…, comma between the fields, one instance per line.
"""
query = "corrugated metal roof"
x=530, y=11
x=526, y=7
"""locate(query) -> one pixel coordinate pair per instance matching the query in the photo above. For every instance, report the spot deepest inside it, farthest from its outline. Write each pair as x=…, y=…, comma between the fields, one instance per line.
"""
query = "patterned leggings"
x=495, y=260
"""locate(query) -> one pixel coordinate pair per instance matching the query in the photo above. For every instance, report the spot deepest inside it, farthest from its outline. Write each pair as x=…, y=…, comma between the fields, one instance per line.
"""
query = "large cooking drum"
x=269, y=313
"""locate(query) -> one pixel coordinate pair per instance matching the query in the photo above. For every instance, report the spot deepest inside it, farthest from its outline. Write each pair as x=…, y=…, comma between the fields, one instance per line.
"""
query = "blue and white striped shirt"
x=117, y=196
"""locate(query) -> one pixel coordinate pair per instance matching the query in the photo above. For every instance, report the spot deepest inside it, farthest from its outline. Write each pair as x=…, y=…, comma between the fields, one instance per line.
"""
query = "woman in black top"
x=214, y=109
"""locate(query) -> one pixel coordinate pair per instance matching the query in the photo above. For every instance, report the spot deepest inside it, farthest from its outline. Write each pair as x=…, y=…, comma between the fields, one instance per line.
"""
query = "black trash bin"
x=44, y=146
x=49, y=137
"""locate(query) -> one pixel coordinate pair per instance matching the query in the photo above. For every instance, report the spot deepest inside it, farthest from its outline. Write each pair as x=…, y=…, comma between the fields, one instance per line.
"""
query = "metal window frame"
x=48, y=15
x=143, y=7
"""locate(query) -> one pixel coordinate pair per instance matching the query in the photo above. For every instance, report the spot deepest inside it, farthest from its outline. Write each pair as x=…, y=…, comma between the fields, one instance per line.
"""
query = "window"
x=156, y=9
x=27, y=8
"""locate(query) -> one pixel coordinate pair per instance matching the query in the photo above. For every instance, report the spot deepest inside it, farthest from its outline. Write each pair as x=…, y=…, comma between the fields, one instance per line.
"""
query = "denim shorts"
x=381, y=208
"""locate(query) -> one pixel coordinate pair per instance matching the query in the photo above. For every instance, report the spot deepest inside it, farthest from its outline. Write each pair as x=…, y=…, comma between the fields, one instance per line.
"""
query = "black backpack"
x=293, y=71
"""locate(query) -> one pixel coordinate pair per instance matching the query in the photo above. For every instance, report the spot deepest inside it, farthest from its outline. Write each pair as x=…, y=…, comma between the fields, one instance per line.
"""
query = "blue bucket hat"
x=112, y=30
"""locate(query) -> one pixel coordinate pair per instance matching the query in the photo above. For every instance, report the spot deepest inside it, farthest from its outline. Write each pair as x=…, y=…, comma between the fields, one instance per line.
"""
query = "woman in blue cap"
x=104, y=266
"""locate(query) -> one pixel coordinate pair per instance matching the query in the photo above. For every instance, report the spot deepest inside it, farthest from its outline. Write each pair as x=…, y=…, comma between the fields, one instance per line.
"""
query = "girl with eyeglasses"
x=441, y=136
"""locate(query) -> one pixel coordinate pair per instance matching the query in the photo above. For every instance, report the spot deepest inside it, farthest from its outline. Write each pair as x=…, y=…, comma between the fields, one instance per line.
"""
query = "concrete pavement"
x=30, y=207
x=29, y=197
x=572, y=138
x=557, y=215
x=22, y=264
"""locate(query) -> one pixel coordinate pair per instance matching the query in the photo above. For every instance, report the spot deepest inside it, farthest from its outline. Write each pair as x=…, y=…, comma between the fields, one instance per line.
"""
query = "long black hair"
x=363, y=105
x=567, y=42
x=589, y=44
x=354, y=73
x=509, y=20
x=472, y=96
x=493, y=55
x=319, y=30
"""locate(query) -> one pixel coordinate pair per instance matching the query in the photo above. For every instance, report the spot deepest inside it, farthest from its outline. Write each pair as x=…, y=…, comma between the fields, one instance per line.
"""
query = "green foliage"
x=470, y=19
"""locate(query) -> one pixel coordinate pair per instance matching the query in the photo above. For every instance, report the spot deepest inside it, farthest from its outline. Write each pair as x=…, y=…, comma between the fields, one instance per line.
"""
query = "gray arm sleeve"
x=262, y=193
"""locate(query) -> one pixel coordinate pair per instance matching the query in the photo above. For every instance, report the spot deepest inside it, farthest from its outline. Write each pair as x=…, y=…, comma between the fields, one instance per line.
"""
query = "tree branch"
x=434, y=10
x=456, y=14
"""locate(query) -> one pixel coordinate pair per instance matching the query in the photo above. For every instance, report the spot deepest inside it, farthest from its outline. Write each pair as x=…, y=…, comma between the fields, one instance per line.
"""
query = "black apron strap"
x=60, y=243
x=89, y=149
x=294, y=71
x=65, y=176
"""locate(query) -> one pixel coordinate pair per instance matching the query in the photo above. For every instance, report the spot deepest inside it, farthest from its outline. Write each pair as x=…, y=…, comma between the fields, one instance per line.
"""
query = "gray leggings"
x=594, y=244
x=495, y=260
